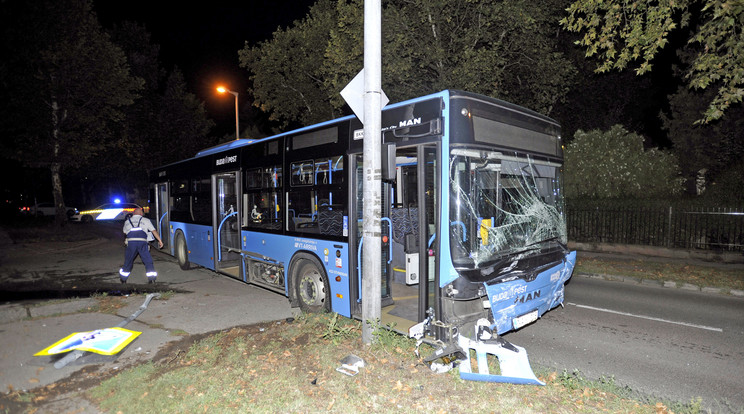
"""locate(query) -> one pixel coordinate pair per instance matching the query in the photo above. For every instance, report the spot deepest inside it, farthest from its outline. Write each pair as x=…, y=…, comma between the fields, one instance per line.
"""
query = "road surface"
x=667, y=343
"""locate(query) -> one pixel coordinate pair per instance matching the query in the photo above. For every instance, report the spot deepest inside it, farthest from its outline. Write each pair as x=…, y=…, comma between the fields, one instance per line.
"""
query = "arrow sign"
x=353, y=94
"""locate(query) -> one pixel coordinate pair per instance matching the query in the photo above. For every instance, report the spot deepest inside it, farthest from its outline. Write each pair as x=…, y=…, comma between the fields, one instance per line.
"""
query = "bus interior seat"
x=330, y=219
x=405, y=222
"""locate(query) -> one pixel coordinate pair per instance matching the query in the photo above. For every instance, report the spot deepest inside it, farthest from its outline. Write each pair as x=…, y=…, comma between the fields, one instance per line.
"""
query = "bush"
x=614, y=164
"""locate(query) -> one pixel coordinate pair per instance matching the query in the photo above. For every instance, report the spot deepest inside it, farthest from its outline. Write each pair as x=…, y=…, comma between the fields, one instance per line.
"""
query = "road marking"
x=651, y=318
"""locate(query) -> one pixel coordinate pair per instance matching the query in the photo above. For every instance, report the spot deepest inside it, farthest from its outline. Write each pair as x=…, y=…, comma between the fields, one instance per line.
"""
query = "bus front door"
x=412, y=209
x=226, y=223
x=409, y=214
x=162, y=207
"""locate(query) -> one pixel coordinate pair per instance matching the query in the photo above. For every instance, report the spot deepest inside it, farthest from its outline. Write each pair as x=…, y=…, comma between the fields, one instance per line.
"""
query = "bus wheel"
x=311, y=283
x=182, y=252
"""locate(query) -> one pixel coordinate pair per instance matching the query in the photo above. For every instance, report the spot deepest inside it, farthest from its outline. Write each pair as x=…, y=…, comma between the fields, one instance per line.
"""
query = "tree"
x=165, y=124
x=69, y=85
x=287, y=70
x=501, y=49
x=706, y=151
x=182, y=126
x=622, y=32
x=614, y=164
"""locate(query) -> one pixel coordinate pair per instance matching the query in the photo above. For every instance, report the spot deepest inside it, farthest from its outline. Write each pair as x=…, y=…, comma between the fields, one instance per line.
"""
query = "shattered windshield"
x=502, y=205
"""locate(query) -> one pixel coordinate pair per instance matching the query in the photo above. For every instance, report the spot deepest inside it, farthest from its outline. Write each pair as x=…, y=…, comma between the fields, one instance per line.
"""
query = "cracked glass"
x=502, y=206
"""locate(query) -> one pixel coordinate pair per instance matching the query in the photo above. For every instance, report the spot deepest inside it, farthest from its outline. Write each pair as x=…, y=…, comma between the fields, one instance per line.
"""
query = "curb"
x=664, y=284
x=14, y=313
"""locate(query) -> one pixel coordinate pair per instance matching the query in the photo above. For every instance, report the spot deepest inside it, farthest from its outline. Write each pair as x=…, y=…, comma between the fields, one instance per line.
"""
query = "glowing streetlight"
x=222, y=89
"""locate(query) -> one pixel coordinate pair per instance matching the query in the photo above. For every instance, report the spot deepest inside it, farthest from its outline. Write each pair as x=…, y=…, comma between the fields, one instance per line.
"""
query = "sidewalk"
x=204, y=302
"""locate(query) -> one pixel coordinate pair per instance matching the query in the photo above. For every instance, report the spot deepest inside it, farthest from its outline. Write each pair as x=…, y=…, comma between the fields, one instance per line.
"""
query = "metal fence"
x=718, y=229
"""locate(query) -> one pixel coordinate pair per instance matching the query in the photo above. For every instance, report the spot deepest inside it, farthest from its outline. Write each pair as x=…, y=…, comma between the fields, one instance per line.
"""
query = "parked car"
x=110, y=211
x=46, y=209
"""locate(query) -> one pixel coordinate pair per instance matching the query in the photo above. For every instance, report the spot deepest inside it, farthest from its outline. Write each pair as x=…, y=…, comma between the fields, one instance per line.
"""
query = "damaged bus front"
x=507, y=245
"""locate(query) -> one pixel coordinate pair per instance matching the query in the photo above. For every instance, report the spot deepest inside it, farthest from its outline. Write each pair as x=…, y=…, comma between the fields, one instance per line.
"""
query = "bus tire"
x=182, y=252
x=311, y=284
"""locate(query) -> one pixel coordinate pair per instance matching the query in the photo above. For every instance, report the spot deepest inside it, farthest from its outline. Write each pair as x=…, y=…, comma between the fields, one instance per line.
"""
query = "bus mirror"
x=388, y=162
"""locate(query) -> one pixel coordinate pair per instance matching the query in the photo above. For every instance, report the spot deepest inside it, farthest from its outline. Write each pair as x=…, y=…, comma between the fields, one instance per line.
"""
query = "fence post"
x=669, y=230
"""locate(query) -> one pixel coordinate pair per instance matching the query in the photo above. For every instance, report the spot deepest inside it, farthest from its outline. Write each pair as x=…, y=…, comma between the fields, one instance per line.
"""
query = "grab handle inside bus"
x=390, y=238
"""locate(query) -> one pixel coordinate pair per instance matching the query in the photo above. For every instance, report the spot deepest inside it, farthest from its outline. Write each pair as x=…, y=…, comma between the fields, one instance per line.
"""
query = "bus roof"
x=442, y=94
x=243, y=142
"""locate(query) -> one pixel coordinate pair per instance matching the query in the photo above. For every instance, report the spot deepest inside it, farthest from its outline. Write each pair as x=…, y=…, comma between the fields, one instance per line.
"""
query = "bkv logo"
x=528, y=297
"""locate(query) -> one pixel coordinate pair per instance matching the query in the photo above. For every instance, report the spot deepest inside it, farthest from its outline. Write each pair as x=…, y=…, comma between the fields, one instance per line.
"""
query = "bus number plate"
x=525, y=319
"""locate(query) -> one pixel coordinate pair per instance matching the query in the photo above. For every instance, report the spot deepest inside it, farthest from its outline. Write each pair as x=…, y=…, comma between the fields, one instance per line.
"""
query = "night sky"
x=203, y=40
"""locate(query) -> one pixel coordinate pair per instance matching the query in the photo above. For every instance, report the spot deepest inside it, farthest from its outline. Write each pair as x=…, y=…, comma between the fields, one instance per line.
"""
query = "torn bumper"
x=518, y=303
x=513, y=362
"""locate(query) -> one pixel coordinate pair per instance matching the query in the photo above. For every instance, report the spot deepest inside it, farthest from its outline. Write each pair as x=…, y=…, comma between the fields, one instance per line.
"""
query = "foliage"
x=166, y=123
x=339, y=330
x=727, y=187
x=621, y=32
x=287, y=71
x=715, y=148
x=614, y=164
x=182, y=126
x=502, y=49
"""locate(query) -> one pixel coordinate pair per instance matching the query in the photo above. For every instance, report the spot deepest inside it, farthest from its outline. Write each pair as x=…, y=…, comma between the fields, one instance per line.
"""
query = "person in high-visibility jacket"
x=138, y=230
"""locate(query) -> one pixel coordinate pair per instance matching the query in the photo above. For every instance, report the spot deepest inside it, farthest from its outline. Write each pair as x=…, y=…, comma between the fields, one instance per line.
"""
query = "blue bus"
x=473, y=227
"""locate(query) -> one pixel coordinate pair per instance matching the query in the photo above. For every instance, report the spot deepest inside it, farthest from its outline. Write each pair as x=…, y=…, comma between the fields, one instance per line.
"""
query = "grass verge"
x=291, y=367
x=724, y=277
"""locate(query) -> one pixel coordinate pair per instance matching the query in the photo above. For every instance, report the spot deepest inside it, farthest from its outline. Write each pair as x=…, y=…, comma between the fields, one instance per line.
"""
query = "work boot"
x=123, y=279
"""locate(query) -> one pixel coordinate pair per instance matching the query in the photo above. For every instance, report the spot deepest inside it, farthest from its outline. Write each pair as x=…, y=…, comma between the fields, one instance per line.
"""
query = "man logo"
x=409, y=123
x=528, y=297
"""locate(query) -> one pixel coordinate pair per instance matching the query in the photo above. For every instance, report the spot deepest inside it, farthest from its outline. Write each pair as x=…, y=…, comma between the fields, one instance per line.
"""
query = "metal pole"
x=237, y=128
x=372, y=269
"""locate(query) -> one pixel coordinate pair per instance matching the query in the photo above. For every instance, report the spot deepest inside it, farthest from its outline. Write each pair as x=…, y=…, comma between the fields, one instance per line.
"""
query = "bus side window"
x=201, y=200
x=262, y=200
x=302, y=173
x=180, y=210
x=304, y=211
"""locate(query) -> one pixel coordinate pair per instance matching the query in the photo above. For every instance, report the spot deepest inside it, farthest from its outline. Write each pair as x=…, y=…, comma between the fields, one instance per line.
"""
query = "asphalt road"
x=666, y=343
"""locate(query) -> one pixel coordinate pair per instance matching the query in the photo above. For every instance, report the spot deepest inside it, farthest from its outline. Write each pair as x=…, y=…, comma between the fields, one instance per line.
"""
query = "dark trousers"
x=135, y=248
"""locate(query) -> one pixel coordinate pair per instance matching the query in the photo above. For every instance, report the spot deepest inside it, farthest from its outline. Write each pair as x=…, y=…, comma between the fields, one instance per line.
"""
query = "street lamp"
x=222, y=89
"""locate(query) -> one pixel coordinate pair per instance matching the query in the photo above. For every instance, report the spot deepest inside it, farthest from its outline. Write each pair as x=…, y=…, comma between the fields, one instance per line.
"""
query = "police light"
x=117, y=200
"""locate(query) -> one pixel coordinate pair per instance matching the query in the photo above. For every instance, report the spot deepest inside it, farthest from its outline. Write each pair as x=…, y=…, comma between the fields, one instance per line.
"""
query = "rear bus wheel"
x=182, y=252
x=311, y=284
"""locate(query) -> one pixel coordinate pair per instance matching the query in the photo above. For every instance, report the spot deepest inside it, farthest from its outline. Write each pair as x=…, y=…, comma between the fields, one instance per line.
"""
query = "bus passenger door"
x=162, y=207
x=412, y=211
x=409, y=214
x=226, y=223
